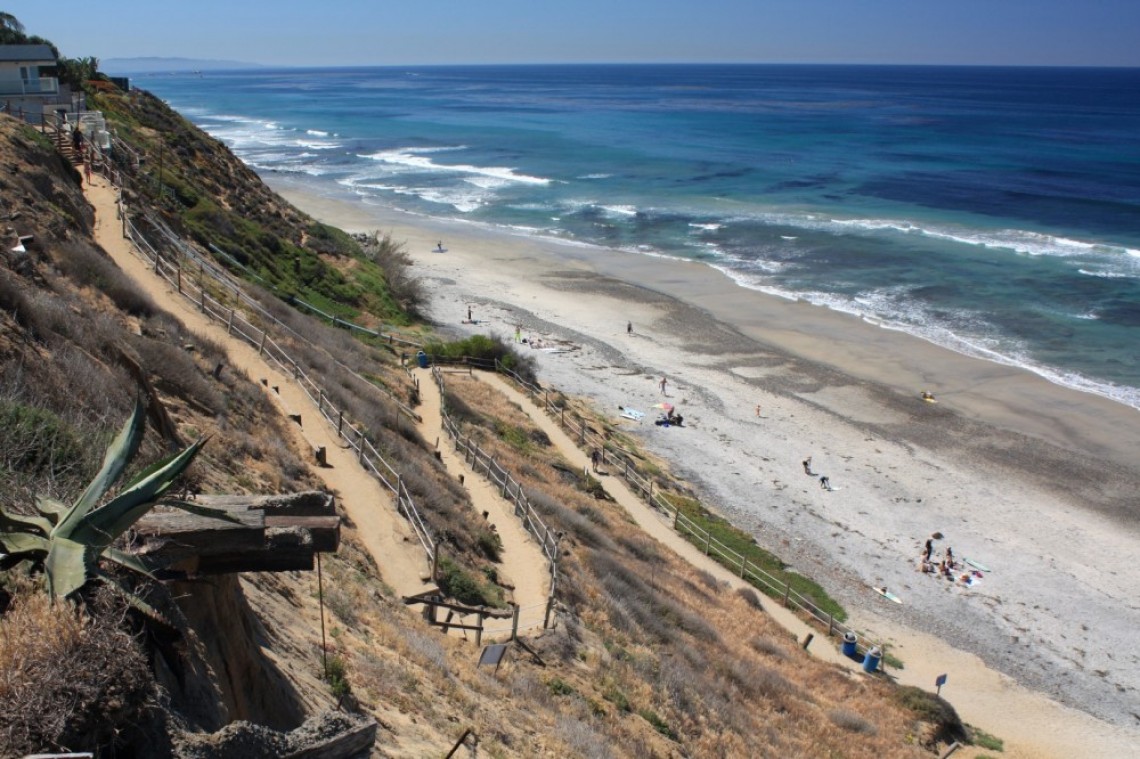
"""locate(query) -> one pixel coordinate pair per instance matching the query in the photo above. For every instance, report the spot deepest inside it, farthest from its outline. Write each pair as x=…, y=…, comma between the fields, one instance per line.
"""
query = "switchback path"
x=523, y=565
x=367, y=503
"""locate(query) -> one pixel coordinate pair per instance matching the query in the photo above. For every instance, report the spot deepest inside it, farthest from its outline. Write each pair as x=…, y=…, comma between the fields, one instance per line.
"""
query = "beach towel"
x=631, y=413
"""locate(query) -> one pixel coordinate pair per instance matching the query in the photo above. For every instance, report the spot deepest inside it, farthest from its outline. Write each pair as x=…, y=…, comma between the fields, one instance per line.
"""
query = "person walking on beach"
x=469, y=313
x=518, y=333
x=629, y=328
x=807, y=466
x=757, y=410
x=824, y=482
x=663, y=383
x=929, y=549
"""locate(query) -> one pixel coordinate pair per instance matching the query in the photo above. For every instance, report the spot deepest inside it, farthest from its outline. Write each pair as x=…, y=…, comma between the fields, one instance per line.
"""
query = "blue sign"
x=939, y=681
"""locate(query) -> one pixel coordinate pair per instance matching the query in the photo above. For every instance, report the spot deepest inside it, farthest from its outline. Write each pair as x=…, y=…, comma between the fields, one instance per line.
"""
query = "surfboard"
x=976, y=564
x=887, y=594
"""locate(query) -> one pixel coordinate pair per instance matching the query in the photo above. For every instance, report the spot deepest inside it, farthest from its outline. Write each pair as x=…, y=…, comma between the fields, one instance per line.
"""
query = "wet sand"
x=1035, y=481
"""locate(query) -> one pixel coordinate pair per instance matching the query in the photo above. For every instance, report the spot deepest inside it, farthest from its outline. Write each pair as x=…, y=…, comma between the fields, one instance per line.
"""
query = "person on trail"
x=595, y=458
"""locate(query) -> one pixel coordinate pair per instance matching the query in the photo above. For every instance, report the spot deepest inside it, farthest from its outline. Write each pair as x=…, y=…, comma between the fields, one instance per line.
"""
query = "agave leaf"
x=19, y=543
x=120, y=453
x=130, y=561
x=50, y=508
x=10, y=522
x=102, y=526
x=200, y=510
x=68, y=564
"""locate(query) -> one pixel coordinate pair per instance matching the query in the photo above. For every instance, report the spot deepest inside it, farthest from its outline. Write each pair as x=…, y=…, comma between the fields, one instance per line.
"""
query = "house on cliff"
x=29, y=86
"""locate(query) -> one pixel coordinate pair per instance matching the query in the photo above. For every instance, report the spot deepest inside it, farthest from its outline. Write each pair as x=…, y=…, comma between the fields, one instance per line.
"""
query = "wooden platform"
x=269, y=534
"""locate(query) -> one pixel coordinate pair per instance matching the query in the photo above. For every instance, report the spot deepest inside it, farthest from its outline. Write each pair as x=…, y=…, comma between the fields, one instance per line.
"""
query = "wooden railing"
x=764, y=581
x=510, y=489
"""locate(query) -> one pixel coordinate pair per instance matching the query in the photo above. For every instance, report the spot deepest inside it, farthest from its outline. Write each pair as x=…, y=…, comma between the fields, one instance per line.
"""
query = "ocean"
x=993, y=211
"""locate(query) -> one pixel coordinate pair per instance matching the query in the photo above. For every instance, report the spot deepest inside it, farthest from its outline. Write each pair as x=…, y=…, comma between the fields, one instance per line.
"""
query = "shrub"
x=851, y=721
x=336, y=674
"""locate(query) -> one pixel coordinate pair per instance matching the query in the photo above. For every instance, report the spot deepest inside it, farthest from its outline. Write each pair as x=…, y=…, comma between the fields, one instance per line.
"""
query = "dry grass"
x=67, y=677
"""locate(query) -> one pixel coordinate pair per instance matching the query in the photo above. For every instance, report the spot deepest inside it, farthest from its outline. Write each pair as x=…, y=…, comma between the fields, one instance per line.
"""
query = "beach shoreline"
x=1034, y=478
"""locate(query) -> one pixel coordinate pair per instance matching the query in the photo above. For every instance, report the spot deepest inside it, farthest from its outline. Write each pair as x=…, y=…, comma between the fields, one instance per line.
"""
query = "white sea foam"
x=316, y=133
x=416, y=159
x=706, y=227
x=619, y=211
x=595, y=176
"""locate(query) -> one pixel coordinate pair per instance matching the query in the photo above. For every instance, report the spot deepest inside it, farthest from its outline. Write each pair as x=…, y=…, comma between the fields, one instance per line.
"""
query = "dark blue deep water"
x=995, y=211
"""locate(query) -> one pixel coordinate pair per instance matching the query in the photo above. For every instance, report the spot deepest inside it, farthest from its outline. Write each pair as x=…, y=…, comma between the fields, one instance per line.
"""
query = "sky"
x=423, y=32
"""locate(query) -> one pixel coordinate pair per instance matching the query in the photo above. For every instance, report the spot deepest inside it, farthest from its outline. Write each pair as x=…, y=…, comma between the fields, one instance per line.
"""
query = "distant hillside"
x=156, y=64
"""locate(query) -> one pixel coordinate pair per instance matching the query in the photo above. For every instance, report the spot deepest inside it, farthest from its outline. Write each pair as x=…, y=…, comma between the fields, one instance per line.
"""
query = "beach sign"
x=938, y=683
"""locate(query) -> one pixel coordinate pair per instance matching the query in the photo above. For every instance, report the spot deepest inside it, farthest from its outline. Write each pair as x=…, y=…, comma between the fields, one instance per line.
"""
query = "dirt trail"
x=656, y=524
x=368, y=504
x=523, y=564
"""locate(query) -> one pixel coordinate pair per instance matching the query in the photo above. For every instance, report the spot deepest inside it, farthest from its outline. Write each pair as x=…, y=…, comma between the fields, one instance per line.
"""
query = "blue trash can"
x=872, y=659
x=421, y=359
x=849, y=640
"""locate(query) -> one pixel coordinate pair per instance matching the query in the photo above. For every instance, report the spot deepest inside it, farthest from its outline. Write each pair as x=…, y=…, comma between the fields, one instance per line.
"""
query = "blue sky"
x=339, y=32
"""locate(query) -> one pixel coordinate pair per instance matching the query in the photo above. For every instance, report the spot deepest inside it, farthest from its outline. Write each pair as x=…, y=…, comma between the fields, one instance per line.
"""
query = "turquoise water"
x=992, y=211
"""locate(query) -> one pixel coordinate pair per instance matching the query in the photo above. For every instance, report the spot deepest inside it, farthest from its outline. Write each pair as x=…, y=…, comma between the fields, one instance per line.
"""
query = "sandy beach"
x=1033, y=481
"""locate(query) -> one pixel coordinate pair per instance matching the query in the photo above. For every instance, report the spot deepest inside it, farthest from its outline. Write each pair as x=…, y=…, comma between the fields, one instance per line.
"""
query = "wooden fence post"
x=549, y=611
x=515, y=623
x=787, y=592
x=230, y=323
x=479, y=629
x=339, y=422
x=261, y=346
x=179, y=280
x=434, y=560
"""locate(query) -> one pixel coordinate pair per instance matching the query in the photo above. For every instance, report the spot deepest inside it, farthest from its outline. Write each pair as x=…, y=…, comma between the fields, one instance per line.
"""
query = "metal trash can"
x=849, y=640
x=421, y=359
x=872, y=659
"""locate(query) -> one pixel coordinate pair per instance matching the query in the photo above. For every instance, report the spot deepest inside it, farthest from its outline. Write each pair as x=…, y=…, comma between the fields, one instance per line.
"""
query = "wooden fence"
x=510, y=489
x=767, y=583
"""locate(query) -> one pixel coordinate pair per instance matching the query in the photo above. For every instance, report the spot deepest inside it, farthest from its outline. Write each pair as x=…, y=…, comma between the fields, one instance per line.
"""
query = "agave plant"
x=67, y=543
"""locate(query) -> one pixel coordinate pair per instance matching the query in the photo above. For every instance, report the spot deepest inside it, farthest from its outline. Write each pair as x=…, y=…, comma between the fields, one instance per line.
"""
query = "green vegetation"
x=336, y=674
x=560, y=687
x=658, y=724
x=484, y=351
x=982, y=739
x=212, y=198
x=744, y=544
x=456, y=582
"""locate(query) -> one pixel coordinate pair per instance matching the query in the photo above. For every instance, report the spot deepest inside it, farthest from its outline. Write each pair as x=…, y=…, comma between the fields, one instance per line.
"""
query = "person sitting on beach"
x=944, y=570
x=824, y=482
x=950, y=557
